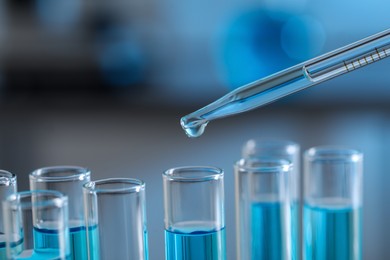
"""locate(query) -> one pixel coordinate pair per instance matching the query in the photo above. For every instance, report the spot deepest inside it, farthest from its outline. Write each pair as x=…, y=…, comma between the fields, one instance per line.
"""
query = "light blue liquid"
x=332, y=233
x=195, y=245
x=146, y=244
x=17, y=246
x=295, y=239
x=270, y=233
x=93, y=238
x=45, y=246
x=45, y=239
x=3, y=251
x=78, y=243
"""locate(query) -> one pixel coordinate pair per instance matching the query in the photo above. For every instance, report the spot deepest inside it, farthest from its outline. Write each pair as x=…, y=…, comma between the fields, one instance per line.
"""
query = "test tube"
x=194, y=213
x=116, y=219
x=36, y=225
x=7, y=187
x=332, y=203
x=282, y=150
x=68, y=180
x=263, y=209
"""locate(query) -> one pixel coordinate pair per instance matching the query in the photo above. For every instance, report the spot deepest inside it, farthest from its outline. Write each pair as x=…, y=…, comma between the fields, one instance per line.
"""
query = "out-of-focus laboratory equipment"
x=194, y=213
x=291, y=80
x=115, y=214
x=332, y=203
x=68, y=180
x=7, y=187
x=278, y=150
x=263, y=210
x=36, y=225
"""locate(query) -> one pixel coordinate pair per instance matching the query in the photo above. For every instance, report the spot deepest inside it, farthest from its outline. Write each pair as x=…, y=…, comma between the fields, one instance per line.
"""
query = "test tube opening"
x=193, y=173
x=36, y=199
x=115, y=185
x=60, y=174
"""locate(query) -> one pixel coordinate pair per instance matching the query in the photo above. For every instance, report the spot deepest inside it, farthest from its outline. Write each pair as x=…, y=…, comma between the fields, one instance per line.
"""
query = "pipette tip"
x=193, y=127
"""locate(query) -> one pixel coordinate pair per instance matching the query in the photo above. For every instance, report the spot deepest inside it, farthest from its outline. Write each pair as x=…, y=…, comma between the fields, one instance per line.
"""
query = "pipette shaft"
x=291, y=80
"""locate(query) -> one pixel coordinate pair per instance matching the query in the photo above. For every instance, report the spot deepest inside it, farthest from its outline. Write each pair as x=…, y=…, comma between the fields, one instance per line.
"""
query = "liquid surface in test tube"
x=45, y=246
x=205, y=245
x=331, y=233
x=268, y=231
x=3, y=252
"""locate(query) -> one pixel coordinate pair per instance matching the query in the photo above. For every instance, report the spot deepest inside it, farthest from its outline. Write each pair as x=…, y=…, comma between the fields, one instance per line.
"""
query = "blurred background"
x=103, y=84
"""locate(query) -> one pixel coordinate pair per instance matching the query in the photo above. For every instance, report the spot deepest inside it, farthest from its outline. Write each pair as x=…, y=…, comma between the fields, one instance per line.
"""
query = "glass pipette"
x=293, y=79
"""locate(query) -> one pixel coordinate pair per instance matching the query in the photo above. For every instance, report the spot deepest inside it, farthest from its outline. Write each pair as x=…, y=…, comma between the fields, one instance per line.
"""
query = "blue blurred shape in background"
x=260, y=42
x=302, y=38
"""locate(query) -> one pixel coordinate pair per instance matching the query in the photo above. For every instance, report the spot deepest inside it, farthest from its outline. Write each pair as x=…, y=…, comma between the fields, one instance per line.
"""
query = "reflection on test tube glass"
x=7, y=187
x=282, y=150
x=332, y=203
x=36, y=225
x=194, y=213
x=263, y=209
x=116, y=219
x=68, y=180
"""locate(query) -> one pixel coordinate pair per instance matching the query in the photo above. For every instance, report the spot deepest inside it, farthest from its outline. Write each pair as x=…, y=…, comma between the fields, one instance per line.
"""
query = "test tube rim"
x=214, y=173
x=259, y=143
x=278, y=165
x=332, y=153
x=7, y=178
x=137, y=186
x=79, y=173
x=13, y=201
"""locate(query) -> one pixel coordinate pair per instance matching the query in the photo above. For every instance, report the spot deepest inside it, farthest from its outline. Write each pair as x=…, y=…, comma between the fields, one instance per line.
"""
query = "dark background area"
x=103, y=84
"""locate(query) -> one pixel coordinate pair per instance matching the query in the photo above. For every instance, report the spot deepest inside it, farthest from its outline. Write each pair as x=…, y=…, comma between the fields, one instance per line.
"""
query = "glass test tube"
x=263, y=209
x=194, y=213
x=282, y=150
x=115, y=213
x=332, y=203
x=7, y=187
x=36, y=225
x=68, y=180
